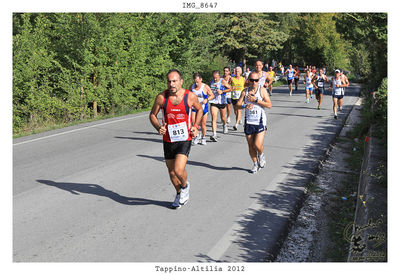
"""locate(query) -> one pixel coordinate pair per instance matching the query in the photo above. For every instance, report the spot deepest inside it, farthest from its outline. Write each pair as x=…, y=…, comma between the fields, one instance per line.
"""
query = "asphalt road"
x=101, y=192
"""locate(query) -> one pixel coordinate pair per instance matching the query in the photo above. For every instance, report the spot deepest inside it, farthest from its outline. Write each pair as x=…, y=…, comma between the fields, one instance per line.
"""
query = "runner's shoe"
x=184, y=194
x=335, y=116
x=235, y=127
x=196, y=140
x=203, y=141
x=318, y=108
x=214, y=138
x=340, y=108
x=228, y=120
x=175, y=204
x=240, y=121
x=254, y=169
x=225, y=128
x=261, y=161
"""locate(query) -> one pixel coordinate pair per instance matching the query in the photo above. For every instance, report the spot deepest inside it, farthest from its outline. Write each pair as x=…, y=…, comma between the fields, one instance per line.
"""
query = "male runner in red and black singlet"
x=177, y=130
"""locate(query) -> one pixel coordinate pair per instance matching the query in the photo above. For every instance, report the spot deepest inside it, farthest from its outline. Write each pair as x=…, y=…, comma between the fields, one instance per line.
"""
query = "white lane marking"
x=75, y=130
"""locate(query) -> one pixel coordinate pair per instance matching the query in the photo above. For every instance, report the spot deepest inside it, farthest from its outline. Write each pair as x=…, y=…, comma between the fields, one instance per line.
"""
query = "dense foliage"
x=71, y=66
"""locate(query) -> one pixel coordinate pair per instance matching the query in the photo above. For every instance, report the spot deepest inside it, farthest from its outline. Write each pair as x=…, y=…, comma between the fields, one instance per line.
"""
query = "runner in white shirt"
x=254, y=99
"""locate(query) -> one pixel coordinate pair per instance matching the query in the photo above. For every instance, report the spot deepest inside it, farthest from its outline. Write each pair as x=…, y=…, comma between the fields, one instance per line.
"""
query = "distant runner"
x=227, y=77
x=254, y=99
x=204, y=95
x=346, y=83
x=308, y=77
x=237, y=88
x=290, y=72
x=337, y=86
x=177, y=131
x=296, y=78
x=318, y=82
x=219, y=87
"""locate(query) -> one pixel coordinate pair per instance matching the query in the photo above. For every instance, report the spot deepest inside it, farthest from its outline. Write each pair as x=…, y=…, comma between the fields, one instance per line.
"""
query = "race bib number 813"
x=178, y=132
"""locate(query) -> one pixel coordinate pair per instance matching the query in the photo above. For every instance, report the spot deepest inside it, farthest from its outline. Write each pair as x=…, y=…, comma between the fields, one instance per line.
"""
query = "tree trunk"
x=244, y=60
x=95, y=108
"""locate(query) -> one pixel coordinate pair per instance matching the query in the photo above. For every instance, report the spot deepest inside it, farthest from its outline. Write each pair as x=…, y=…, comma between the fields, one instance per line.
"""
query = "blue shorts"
x=205, y=110
x=309, y=88
x=250, y=129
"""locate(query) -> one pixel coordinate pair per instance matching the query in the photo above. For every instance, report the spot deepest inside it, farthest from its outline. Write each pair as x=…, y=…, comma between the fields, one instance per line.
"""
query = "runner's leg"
x=252, y=148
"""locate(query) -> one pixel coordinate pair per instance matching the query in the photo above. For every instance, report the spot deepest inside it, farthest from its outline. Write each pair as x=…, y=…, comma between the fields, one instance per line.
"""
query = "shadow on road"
x=196, y=163
x=95, y=189
x=158, y=140
x=264, y=229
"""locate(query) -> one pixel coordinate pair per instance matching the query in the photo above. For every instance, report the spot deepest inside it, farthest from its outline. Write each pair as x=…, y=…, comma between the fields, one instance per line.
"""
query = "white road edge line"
x=75, y=130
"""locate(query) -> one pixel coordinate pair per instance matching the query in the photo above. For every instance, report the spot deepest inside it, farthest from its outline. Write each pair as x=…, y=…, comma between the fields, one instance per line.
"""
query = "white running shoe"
x=254, y=169
x=196, y=140
x=240, y=121
x=214, y=138
x=203, y=141
x=340, y=108
x=261, y=161
x=184, y=194
x=225, y=128
x=228, y=120
x=175, y=204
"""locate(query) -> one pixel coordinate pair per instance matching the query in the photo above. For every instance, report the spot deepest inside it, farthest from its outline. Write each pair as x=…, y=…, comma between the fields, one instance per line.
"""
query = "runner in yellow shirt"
x=272, y=74
x=237, y=84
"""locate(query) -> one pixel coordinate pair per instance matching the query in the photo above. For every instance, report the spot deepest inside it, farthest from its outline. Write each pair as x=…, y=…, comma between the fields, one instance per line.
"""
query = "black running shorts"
x=219, y=106
x=234, y=101
x=318, y=91
x=171, y=149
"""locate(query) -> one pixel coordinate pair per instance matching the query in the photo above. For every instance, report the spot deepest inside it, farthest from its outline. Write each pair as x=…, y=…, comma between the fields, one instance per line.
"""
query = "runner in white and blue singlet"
x=204, y=95
x=308, y=77
x=290, y=75
x=337, y=86
x=219, y=87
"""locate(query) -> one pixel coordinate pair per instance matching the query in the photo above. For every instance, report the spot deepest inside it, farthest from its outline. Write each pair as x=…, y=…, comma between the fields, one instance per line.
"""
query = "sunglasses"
x=253, y=80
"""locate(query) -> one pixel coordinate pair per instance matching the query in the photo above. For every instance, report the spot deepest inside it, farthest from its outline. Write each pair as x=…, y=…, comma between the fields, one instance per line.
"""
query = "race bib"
x=178, y=132
x=236, y=94
x=320, y=84
x=253, y=116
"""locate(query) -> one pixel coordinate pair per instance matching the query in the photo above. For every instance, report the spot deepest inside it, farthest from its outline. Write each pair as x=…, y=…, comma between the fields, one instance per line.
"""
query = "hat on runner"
x=337, y=71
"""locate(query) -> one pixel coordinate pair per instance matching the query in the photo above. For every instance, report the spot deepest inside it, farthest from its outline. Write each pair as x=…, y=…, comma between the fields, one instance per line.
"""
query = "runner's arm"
x=158, y=102
x=267, y=101
x=226, y=84
x=241, y=98
x=210, y=94
x=270, y=80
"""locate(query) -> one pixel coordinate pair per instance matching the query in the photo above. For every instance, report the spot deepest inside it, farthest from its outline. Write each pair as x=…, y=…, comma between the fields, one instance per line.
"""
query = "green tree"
x=242, y=36
x=367, y=33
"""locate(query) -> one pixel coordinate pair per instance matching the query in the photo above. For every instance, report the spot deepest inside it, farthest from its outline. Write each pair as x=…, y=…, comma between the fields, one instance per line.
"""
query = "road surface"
x=100, y=191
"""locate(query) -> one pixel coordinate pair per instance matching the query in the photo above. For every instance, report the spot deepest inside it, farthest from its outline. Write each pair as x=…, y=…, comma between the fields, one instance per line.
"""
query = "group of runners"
x=184, y=111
